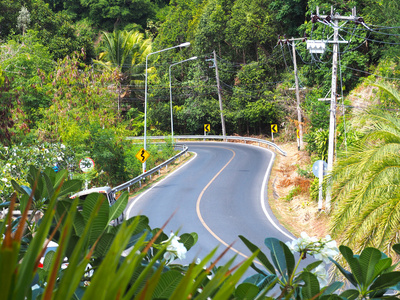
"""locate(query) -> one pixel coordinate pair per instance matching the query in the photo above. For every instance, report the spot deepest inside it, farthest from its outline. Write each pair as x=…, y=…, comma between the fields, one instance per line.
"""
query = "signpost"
x=207, y=127
x=86, y=164
x=274, y=129
x=320, y=168
x=142, y=155
x=298, y=139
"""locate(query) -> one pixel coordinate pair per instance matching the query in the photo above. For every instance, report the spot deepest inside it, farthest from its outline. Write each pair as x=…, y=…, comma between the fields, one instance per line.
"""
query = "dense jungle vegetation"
x=72, y=79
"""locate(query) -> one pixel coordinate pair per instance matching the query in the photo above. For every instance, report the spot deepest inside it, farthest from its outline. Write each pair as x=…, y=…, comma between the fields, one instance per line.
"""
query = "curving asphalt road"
x=219, y=194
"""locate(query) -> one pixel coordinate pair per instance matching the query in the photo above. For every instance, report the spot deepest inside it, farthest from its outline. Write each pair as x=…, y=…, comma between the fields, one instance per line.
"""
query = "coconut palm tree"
x=366, y=190
x=125, y=52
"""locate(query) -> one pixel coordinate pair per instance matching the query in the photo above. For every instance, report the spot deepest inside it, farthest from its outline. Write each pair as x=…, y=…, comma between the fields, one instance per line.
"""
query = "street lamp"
x=187, y=44
x=170, y=93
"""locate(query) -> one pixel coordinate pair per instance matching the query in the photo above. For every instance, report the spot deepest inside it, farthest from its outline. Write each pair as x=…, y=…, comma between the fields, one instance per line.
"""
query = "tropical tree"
x=125, y=51
x=367, y=182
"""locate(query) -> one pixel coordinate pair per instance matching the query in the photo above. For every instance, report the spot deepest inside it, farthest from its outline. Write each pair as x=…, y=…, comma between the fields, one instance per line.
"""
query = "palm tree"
x=125, y=52
x=366, y=191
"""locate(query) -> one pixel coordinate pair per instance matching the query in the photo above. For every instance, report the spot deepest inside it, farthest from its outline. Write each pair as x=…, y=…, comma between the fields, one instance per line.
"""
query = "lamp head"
x=187, y=44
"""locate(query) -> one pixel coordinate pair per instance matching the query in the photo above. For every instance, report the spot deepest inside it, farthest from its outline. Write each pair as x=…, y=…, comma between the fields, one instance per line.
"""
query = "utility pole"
x=296, y=79
x=328, y=19
x=219, y=95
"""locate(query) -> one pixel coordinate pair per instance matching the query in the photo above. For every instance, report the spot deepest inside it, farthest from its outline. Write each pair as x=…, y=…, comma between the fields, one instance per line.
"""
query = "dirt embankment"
x=289, y=197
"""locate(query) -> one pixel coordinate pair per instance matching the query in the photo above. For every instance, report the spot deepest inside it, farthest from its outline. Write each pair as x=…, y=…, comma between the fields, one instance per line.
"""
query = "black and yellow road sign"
x=142, y=155
x=298, y=133
x=207, y=127
x=274, y=128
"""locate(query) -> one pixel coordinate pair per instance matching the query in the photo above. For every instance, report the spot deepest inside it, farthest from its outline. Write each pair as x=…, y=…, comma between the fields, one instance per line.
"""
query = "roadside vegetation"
x=72, y=86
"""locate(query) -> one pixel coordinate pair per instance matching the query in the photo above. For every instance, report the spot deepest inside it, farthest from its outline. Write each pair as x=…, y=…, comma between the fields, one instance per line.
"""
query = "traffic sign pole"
x=321, y=178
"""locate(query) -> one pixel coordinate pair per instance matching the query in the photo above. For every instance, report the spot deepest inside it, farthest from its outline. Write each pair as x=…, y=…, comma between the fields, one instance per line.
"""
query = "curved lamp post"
x=187, y=44
x=170, y=93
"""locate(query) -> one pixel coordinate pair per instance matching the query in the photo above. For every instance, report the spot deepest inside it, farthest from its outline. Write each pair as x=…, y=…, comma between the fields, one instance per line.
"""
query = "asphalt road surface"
x=219, y=194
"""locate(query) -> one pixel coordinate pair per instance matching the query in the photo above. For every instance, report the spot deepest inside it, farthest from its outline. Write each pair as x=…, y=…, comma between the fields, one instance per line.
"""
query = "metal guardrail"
x=141, y=177
x=213, y=137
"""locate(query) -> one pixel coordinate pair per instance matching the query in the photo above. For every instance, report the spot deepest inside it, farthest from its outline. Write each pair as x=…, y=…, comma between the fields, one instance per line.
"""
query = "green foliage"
x=15, y=162
x=111, y=15
x=289, y=14
x=82, y=96
x=314, y=189
x=372, y=273
x=6, y=120
x=365, y=177
x=82, y=241
x=293, y=193
x=28, y=62
x=317, y=142
x=124, y=50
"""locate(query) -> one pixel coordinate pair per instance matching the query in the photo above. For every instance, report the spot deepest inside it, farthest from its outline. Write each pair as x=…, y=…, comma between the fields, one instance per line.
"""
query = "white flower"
x=4, y=179
x=322, y=275
x=321, y=249
x=175, y=249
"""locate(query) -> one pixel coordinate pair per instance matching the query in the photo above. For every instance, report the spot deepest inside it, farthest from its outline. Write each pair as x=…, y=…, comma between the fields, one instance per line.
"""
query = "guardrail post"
x=140, y=183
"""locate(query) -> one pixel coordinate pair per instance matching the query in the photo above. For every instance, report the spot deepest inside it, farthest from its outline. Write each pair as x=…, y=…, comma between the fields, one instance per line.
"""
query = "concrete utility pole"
x=296, y=79
x=328, y=20
x=219, y=95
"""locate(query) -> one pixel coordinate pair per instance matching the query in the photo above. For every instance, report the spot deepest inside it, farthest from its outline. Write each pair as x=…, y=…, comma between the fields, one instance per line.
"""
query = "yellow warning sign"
x=142, y=155
x=207, y=127
x=274, y=128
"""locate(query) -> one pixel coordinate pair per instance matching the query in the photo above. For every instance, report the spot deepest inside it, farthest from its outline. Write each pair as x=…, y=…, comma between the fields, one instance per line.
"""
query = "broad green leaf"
x=103, y=245
x=332, y=288
x=47, y=260
x=246, y=291
x=98, y=204
x=261, y=256
x=354, y=264
x=386, y=280
x=346, y=273
x=280, y=256
x=350, y=294
x=49, y=185
x=311, y=286
x=22, y=189
x=23, y=202
x=383, y=265
x=188, y=240
x=79, y=224
x=118, y=207
x=289, y=257
x=70, y=186
x=368, y=260
x=167, y=284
